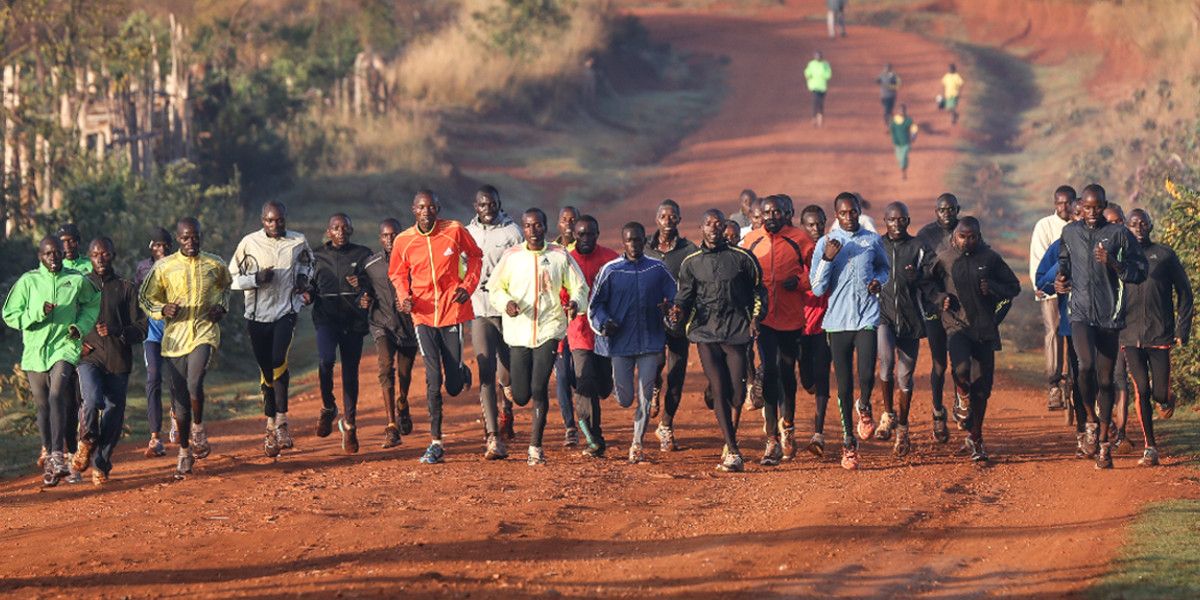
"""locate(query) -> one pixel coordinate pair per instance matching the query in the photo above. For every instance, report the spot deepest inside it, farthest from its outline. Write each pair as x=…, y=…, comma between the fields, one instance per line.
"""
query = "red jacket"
x=579, y=333
x=782, y=255
x=429, y=266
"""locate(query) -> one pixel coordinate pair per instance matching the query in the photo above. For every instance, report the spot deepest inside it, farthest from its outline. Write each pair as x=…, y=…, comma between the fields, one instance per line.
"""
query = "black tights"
x=1097, y=350
x=842, y=347
x=973, y=367
x=779, y=351
x=725, y=367
x=530, y=371
x=271, y=343
x=1151, y=371
x=935, y=333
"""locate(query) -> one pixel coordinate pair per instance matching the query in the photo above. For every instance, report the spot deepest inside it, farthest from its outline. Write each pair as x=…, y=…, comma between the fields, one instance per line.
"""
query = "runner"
x=1096, y=261
x=564, y=370
x=71, y=239
x=1114, y=214
x=628, y=303
x=189, y=291
x=966, y=281
x=53, y=307
x=69, y=236
x=746, y=201
x=395, y=337
x=720, y=302
x=952, y=85
x=781, y=251
x=814, y=346
x=889, y=87
x=494, y=233
x=932, y=237
x=273, y=267
x=593, y=372
x=667, y=246
x=427, y=270
x=527, y=284
x=850, y=267
x=1046, y=232
x=817, y=74
x=160, y=246
x=904, y=133
x=835, y=17
x=901, y=325
x=106, y=363
x=1153, y=328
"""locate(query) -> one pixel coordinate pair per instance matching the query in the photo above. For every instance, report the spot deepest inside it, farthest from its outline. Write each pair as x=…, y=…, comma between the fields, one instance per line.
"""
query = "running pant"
x=842, y=347
x=50, y=390
x=593, y=381
x=1151, y=371
x=1083, y=414
x=271, y=343
x=530, y=372
x=331, y=342
x=935, y=335
x=725, y=367
x=889, y=105
x=973, y=369
x=902, y=151
x=564, y=381
x=395, y=366
x=74, y=401
x=441, y=348
x=184, y=376
x=1097, y=350
x=154, y=362
x=1052, y=343
x=814, y=373
x=818, y=103
x=647, y=366
x=835, y=20
x=104, y=396
x=674, y=360
x=492, y=358
x=897, y=356
x=779, y=351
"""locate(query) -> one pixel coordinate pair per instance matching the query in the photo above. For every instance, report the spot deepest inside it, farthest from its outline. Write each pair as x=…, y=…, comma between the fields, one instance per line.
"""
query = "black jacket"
x=932, y=236
x=900, y=303
x=126, y=323
x=957, y=274
x=1150, y=319
x=335, y=301
x=1098, y=293
x=383, y=317
x=672, y=258
x=721, y=293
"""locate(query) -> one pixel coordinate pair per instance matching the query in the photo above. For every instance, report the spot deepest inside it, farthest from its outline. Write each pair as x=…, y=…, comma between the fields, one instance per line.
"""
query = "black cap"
x=162, y=236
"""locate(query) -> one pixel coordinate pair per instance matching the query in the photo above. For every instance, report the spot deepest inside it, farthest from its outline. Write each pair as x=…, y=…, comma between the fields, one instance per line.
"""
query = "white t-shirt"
x=1046, y=232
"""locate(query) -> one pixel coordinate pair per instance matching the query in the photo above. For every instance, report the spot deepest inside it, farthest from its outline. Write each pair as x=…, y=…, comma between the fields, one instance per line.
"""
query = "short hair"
x=276, y=205
x=668, y=203
x=947, y=197
x=427, y=193
x=541, y=214
x=748, y=192
x=192, y=222
x=107, y=241
x=568, y=208
x=1067, y=191
x=588, y=219
x=813, y=209
x=390, y=221
x=902, y=207
x=1096, y=191
x=713, y=212
x=851, y=196
x=158, y=235
x=1144, y=214
x=53, y=241
x=788, y=207
x=490, y=191
x=343, y=216
x=70, y=229
x=970, y=223
x=633, y=226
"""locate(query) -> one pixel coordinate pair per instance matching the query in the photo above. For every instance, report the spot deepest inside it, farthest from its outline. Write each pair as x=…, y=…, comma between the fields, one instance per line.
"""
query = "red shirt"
x=579, y=333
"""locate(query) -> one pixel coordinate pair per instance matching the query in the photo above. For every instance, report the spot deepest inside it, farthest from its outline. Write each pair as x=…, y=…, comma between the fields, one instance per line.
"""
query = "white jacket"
x=1046, y=232
x=291, y=258
x=535, y=280
x=493, y=240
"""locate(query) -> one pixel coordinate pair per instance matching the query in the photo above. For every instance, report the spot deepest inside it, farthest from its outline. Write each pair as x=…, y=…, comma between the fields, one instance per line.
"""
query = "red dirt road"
x=318, y=523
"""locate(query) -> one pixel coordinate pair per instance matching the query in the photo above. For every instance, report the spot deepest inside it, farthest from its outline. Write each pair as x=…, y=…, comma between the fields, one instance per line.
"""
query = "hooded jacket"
x=429, y=266
x=125, y=321
x=534, y=279
x=382, y=317
x=335, y=301
x=579, y=333
x=492, y=240
x=782, y=255
x=721, y=294
x=900, y=298
x=196, y=284
x=292, y=261
x=1098, y=293
x=1150, y=319
x=629, y=292
x=46, y=338
x=845, y=280
x=958, y=274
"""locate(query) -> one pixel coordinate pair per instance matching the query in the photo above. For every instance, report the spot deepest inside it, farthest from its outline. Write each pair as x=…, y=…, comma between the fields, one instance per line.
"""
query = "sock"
x=280, y=419
x=270, y=423
x=436, y=442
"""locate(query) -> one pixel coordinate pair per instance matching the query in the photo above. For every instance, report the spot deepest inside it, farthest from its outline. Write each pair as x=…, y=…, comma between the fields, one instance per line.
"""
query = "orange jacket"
x=429, y=266
x=782, y=255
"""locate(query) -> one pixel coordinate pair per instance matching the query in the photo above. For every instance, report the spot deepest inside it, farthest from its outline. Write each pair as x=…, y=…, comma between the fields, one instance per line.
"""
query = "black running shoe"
x=325, y=422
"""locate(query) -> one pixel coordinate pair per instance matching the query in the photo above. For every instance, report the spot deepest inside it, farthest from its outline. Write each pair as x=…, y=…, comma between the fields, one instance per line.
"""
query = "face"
x=1062, y=206
x=50, y=255
x=772, y=216
x=70, y=245
x=586, y=234
x=1140, y=226
x=733, y=233
x=897, y=222
x=634, y=242
x=425, y=211
x=667, y=219
x=745, y=200
x=756, y=217
x=387, y=236
x=487, y=208
x=1093, y=211
x=159, y=250
x=1076, y=211
x=712, y=231
x=947, y=212
x=102, y=256
x=966, y=238
x=273, y=221
x=534, y=227
x=1114, y=216
x=188, y=236
x=814, y=225
x=566, y=224
x=847, y=215
x=339, y=231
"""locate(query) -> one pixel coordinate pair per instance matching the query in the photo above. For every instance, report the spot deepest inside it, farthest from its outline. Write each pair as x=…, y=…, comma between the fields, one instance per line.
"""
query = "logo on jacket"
x=448, y=252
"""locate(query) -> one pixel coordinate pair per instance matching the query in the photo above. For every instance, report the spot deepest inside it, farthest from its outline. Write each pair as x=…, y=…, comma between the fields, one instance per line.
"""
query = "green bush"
x=1179, y=227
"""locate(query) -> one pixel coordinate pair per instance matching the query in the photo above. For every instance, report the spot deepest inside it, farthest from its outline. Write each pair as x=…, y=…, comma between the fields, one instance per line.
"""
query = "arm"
x=685, y=297
x=821, y=272
x=241, y=281
x=880, y=263
x=399, y=271
x=932, y=286
x=153, y=294
x=474, y=259
x=1003, y=283
x=597, y=311
x=1047, y=271
x=1183, y=300
x=19, y=312
x=498, y=293
x=135, y=320
x=758, y=310
x=89, y=308
x=222, y=283
x=669, y=289
x=1131, y=265
x=304, y=267
x=1064, y=258
x=576, y=285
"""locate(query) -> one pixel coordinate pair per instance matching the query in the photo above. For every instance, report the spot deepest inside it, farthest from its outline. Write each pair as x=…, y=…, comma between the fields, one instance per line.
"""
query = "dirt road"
x=318, y=523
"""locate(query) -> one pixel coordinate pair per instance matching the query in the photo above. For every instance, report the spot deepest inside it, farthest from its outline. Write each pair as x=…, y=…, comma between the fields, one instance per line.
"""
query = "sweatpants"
x=564, y=385
x=1151, y=372
x=1052, y=343
x=674, y=362
x=271, y=343
x=184, y=376
x=843, y=345
x=593, y=382
x=531, y=369
x=779, y=351
x=104, y=396
x=154, y=362
x=624, y=379
x=1097, y=350
x=973, y=367
x=814, y=373
x=50, y=390
x=441, y=349
x=330, y=343
x=935, y=336
x=492, y=358
x=395, y=364
x=725, y=367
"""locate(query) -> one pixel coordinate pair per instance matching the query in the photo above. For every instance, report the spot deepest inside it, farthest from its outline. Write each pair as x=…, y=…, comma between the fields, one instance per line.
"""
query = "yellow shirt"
x=196, y=284
x=952, y=84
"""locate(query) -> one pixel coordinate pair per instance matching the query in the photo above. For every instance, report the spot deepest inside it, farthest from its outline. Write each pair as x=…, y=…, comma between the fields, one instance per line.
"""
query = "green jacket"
x=47, y=337
x=817, y=75
x=82, y=264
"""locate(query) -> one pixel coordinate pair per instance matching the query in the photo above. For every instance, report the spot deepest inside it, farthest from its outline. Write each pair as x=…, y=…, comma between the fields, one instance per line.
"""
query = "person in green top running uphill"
x=817, y=75
x=904, y=133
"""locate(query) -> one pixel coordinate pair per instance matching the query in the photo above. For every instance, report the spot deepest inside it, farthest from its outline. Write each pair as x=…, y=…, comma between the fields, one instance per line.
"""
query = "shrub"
x=1179, y=227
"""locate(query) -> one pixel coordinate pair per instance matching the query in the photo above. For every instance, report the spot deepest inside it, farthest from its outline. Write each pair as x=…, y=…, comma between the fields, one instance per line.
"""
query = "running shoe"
x=866, y=425
x=816, y=446
x=74, y=476
x=941, y=432
x=200, y=446
x=283, y=436
x=635, y=454
x=787, y=440
x=325, y=422
x=571, y=438
x=1149, y=457
x=1055, y=400
x=495, y=448
x=155, y=448
x=902, y=445
x=42, y=458
x=505, y=419
x=391, y=436
x=1104, y=456
x=406, y=424
x=536, y=457
x=962, y=410
x=978, y=454
x=349, y=437
x=1081, y=445
x=82, y=459
x=186, y=460
x=53, y=467
x=596, y=451
x=173, y=436
x=773, y=453
x=754, y=393
x=99, y=477
x=732, y=463
x=1167, y=409
x=270, y=443
x=887, y=422
x=434, y=454
x=666, y=438
x=1091, y=439
x=849, y=458
x=64, y=465
x=593, y=441
x=655, y=401
x=1121, y=441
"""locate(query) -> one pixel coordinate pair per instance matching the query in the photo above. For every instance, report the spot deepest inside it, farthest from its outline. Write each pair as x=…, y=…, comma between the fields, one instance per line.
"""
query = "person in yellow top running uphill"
x=952, y=84
x=189, y=291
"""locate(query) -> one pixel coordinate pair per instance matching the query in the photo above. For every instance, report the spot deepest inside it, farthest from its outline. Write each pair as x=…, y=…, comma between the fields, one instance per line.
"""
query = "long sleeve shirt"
x=492, y=240
x=534, y=280
x=126, y=324
x=292, y=261
x=845, y=280
x=1046, y=232
x=47, y=337
x=196, y=284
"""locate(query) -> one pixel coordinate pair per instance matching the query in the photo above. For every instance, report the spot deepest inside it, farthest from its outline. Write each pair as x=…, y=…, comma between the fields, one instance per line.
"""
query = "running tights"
x=271, y=343
x=779, y=352
x=531, y=368
x=842, y=347
x=725, y=367
x=1097, y=350
x=973, y=367
x=184, y=376
x=1151, y=371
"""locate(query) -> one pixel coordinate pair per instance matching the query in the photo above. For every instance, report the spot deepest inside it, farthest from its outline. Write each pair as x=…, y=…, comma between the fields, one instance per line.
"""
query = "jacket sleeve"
x=669, y=287
x=880, y=262
x=152, y=296
x=1183, y=299
x=399, y=270
x=89, y=308
x=223, y=282
x=1002, y=283
x=241, y=281
x=821, y=272
x=575, y=284
x=759, y=310
x=1047, y=271
x=932, y=284
x=1038, y=245
x=685, y=298
x=1064, y=256
x=135, y=320
x=20, y=311
x=597, y=311
x=474, y=259
x=498, y=293
x=305, y=265
x=1132, y=267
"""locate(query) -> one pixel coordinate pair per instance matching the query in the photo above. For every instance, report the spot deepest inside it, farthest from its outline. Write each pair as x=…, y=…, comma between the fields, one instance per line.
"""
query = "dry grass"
x=402, y=140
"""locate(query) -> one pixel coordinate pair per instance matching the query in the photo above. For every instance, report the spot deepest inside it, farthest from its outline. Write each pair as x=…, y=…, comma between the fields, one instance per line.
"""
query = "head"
x=712, y=228
x=633, y=240
x=902, y=110
x=339, y=230
x=587, y=232
x=1076, y=210
x=566, y=223
x=789, y=209
x=895, y=217
x=533, y=224
x=946, y=209
x=953, y=68
x=732, y=233
x=966, y=235
x=1093, y=202
x=425, y=208
x=487, y=204
x=160, y=243
x=773, y=215
x=70, y=237
x=887, y=67
x=756, y=214
x=1063, y=197
x=812, y=221
x=102, y=252
x=1140, y=225
x=818, y=56
x=50, y=253
x=1113, y=214
x=274, y=219
x=847, y=210
x=745, y=199
x=189, y=236
x=388, y=230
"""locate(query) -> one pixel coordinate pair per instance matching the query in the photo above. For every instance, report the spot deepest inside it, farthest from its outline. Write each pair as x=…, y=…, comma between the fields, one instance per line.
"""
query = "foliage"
x=1178, y=226
x=519, y=27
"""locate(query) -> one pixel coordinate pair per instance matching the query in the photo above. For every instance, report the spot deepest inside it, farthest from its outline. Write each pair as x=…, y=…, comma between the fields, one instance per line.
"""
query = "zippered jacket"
x=1151, y=319
x=126, y=324
x=721, y=294
x=492, y=240
x=673, y=258
x=383, y=317
x=900, y=299
x=629, y=292
x=579, y=333
x=958, y=274
x=335, y=301
x=196, y=284
x=845, y=280
x=1047, y=272
x=534, y=280
x=428, y=267
x=782, y=255
x=933, y=237
x=1098, y=293
x=47, y=338
x=289, y=256
x=154, y=327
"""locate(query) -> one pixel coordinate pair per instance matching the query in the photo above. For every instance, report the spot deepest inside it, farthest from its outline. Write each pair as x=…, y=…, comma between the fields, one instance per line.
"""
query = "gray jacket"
x=493, y=239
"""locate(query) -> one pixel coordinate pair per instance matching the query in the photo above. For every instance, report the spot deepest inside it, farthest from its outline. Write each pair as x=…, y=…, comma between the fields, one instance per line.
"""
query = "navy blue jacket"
x=629, y=293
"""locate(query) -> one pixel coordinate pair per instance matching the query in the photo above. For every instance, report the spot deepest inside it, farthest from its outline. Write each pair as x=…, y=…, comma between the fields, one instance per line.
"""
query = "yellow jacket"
x=534, y=279
x=196, y=284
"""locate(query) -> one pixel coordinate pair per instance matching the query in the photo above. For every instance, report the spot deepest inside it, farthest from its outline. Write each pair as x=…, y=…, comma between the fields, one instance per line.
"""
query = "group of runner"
x=798, y=300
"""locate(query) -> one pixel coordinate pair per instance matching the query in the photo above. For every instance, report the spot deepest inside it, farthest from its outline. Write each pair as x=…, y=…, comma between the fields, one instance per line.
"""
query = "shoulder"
x=212, y=259
x=296, y=237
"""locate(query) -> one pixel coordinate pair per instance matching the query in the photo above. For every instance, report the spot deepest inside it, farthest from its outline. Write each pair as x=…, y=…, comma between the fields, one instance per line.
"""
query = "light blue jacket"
x=845, y=280
x=629, y=293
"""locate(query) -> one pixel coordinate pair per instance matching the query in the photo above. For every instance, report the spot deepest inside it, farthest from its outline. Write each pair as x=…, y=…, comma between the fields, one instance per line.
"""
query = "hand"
x=73, y=332
x=572, y=310
x=512, y=309
x=1101, y=254
x=264, y=276
x=352, y=280
x=405, y=306
x=102, y=329
x=753, y=329
x=675, y=314
x=87, y=349
x=306, y=298
x=215, y=314
x=1061, y=285
x=832, y=247
x=169, y=311
x=664, y=307
x=791, y=283
x=984, y=288
x=874, y=286
x=948, y=303
x=364, y=302
x=610, y=328
x=1039, y=294
x=910, y=272
x=461, y=295
x=1178, y=341
x=48, y=308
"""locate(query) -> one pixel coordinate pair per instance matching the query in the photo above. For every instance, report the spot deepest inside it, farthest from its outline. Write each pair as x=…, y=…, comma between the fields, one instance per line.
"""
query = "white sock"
x=270, y=423
x=280, y=419
x=437, y=442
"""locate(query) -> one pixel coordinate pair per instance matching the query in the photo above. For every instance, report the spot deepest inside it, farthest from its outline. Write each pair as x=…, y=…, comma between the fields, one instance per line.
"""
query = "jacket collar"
x=679, y=242
x=502, y=220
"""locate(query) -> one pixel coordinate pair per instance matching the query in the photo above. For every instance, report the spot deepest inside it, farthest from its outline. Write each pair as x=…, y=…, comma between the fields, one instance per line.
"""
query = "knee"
x=962, y=373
